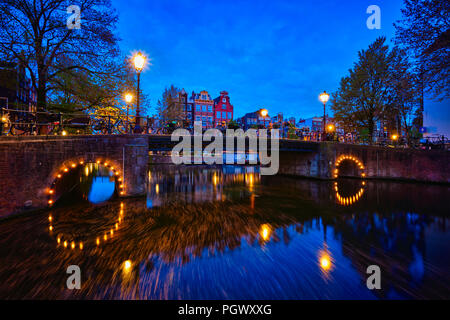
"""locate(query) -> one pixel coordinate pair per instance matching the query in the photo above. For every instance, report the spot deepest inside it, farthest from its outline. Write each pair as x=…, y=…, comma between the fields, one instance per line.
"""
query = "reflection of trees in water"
x=395, y=241
x=179, y=232
x=387, y=228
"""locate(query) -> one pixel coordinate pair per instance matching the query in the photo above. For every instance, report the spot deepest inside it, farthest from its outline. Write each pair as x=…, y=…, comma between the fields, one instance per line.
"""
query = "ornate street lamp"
x=139, y=61
x=128, y=100
x=324, y=96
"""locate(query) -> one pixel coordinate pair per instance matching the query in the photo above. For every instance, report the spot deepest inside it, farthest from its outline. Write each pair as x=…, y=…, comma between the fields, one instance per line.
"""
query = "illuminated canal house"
x=223, y=110
x=203, y=108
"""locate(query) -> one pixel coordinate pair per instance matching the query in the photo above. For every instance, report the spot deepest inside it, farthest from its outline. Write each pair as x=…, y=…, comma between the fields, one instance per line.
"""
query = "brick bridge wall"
x=378, y=162
x=318, y=160
x=28, y=165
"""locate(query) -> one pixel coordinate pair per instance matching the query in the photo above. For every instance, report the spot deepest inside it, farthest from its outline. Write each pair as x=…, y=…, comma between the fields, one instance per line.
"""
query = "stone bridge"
x=31, y=166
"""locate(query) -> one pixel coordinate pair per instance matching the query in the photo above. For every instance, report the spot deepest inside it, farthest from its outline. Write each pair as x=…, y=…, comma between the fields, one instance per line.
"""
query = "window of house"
x=188, y=107
x=203, y=96
x=210, y=119
x=198, y=118
x=218, y=114
x=209, y=108
x=224, y=100
x=205, y=108
x=224, y=106
x=224, y=115
x=229, y=115
x=198, y=108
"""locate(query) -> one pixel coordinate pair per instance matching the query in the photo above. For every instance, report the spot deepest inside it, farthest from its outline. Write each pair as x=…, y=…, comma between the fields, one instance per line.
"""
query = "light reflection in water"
x=194, y=185
x=265, y=232
x=73, y=237
x=348, y=200
x=227, y=233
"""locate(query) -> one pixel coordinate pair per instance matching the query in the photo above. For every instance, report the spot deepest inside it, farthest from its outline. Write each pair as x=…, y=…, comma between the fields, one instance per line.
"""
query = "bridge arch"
x=348, y=157
x=69, y=165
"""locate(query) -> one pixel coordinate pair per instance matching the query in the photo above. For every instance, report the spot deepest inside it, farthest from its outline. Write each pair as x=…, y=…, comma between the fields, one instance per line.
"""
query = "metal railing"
x=16, y=122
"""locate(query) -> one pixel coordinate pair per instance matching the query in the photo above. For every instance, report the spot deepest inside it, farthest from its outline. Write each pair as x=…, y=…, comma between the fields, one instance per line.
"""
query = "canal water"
x=229, y=233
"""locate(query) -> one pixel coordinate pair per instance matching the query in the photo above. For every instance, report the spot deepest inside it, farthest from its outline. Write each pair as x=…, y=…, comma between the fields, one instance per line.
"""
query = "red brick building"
x=223, y=110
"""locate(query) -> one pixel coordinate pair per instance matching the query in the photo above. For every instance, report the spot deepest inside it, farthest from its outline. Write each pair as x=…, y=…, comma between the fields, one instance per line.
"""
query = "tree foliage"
x=360, y=100
x=168, y=107
x=35, y=33
x=424, y=31
x=381, y=87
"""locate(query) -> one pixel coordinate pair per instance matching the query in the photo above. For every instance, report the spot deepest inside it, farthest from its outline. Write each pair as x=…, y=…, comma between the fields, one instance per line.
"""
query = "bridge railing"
x=15, y=122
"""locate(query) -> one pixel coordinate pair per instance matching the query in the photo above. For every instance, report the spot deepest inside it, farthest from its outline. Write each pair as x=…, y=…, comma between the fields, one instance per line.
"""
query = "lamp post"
x=128, y=99
x=139, y=63
x=324, y=96
x=263, y=113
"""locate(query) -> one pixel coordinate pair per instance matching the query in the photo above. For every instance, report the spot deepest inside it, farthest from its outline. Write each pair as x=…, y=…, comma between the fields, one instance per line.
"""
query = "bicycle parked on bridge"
x=18, y=123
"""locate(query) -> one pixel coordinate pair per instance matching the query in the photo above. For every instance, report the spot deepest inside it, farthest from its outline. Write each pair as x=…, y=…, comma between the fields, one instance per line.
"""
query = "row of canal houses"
x=213, y=113
x=217, y=112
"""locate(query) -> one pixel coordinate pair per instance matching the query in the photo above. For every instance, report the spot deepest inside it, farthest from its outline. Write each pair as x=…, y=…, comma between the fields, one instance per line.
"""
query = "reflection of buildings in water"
x=196, y=185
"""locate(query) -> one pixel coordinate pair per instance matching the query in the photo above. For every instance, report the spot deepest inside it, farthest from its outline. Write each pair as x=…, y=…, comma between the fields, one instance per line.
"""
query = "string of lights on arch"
x=74, y=165
x=346, y=201
x=351, y=158
x=51, y=200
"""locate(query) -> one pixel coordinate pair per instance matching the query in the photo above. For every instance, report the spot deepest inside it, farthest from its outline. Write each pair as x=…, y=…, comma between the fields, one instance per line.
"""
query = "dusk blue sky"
x=274, y=54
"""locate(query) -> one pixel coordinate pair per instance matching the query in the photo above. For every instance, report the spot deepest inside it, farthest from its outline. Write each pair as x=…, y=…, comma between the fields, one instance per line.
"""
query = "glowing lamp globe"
x=324, y=96
x=139, y=62
x=128, y=98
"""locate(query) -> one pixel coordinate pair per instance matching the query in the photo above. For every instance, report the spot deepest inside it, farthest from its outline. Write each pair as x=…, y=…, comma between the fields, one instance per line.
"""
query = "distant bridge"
x=30, y=165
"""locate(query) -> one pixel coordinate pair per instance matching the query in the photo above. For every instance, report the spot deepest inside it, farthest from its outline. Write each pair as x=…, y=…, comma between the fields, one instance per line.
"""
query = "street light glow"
x=128, y=98
x=324, y=96
x=139, y=61
x=394, y=137
x=264, y=112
